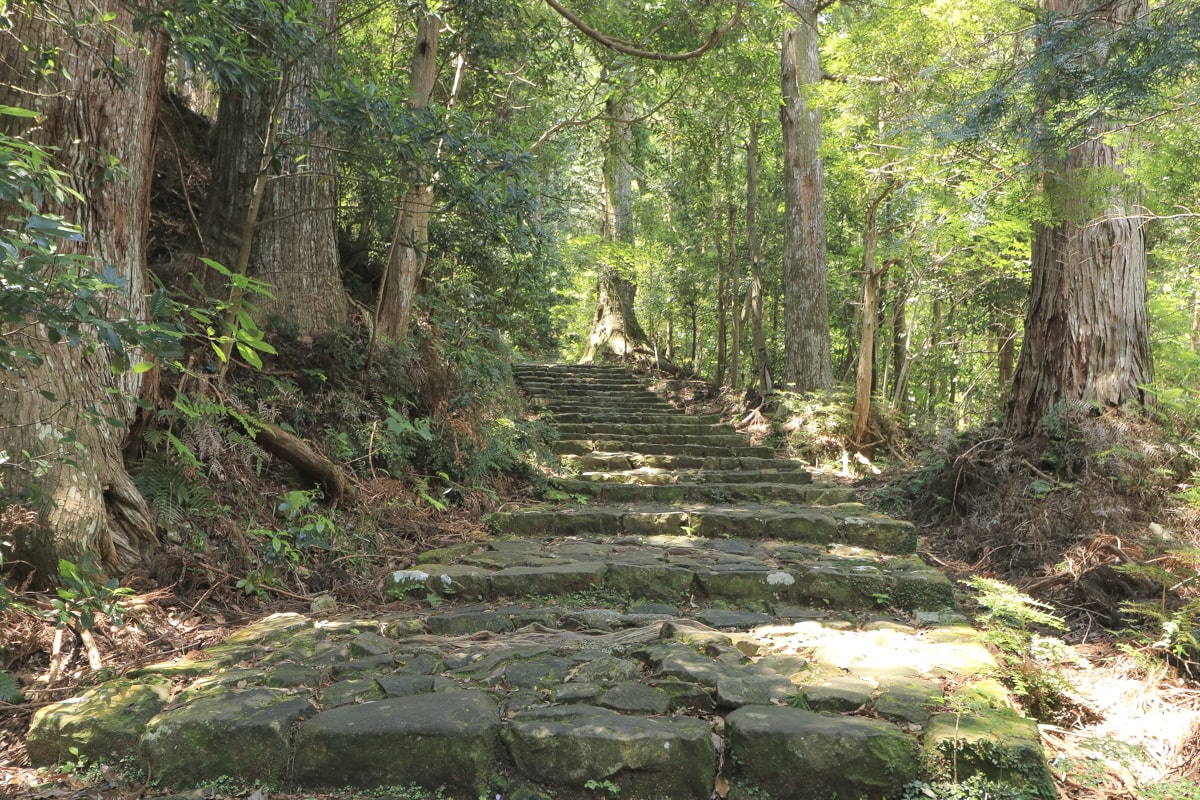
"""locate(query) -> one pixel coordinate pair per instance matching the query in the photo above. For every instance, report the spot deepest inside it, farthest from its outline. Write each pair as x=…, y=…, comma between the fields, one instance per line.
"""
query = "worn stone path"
x=687, y=616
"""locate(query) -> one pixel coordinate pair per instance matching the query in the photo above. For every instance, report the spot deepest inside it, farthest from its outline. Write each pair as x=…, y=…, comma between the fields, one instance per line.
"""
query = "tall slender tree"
x=410, y=237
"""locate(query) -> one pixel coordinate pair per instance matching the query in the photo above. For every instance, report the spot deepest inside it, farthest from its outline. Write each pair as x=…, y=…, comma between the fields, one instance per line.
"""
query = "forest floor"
x=1121, y=719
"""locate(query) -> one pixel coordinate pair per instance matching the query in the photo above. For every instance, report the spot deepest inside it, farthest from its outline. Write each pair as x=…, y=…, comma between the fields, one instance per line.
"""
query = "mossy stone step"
x=670, y=568
x=677, y=448
x=566, y=389
x=849, y=523
x=789, y=472
x=583, y=371
x=656, y=705
x=706, y=438
x=579, y=447
x=638, y=405
x=605, y=417
x=682, y=427
x=628, y=460
x=710, y=492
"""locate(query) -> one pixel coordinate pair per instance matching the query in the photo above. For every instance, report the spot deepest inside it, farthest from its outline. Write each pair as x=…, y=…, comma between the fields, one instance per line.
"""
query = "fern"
x=10, y=690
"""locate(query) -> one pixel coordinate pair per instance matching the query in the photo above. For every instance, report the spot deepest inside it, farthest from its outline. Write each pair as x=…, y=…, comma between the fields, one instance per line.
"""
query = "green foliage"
x=10, y=690
x=228, y=323
x=1181, y=789
x=818, y=424
x=606, y=787
x=285, y=550
x=81, y=595
x=1168, y=627
x=237, y=42
x=976, y=787
x=47, y=280
x=1029, y=661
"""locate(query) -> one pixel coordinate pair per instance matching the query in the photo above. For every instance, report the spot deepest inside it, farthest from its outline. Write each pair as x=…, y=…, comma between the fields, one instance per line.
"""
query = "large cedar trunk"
x=1087, y=332
x=84, y=499
x=294, y=245
x=615, y=328
x=410, y=239
x=807, y=359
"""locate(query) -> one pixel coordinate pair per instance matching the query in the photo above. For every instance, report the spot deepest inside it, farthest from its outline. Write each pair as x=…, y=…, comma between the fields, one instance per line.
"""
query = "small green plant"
x=77, y=763
x=976, y=787
x=1169, y=626
x=81, y=595
x=287, y=549
x=608, y=787
x=1029, y=661
x=799, y=700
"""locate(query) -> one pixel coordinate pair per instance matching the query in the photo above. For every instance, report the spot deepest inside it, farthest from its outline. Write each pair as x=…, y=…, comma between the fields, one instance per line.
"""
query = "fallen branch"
x=295, y=451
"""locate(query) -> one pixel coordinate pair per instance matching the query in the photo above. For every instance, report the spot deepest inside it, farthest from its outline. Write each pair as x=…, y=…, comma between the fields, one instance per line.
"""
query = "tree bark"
x=293, y=236
x=410, y=238
x=71, y=413
x=870, y=314
x=1087, y=332
x=722, y=312
x=615, y=327
x=296, y=245
x=735, y=289
x=762, y=366
x=807, y=349
x=900, y=356
x=864, y=382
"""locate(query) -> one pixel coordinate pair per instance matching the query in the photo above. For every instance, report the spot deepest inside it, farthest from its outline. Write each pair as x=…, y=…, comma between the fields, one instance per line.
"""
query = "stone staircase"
x=686, y=617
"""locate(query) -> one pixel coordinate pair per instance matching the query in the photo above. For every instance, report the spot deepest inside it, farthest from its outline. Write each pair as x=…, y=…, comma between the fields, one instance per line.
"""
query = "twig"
x=93, y=653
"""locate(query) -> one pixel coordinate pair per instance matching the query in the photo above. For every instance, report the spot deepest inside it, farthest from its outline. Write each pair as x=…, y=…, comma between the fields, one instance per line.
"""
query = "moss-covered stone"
x=560, y=579
x=443, y=740
x=102, y=724
x=833, y=758
x=360, y=690
x=653, y=758
x=997, y=744
x=635, y=698
x=908, y=701
x=244, y=734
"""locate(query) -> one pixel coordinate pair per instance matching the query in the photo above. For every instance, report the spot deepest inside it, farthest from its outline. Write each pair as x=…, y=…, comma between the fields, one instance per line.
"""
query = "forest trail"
x=687, y=616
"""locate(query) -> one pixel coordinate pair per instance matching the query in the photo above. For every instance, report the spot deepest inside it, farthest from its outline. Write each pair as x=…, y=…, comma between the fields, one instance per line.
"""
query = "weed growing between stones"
x=976, y=787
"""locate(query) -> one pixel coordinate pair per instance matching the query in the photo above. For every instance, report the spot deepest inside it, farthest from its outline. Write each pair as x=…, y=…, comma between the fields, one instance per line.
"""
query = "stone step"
x=681, y=427
x=552, y=388
x=701, y=438
x=603, y=417
x=486, y=701
x=677, y=448
x=578, y=447
x=789, y=472
x=580, y=370
x=709, y=492
x=846, y=523
x=589, y=405
x=678, y=569
x=617, y=462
